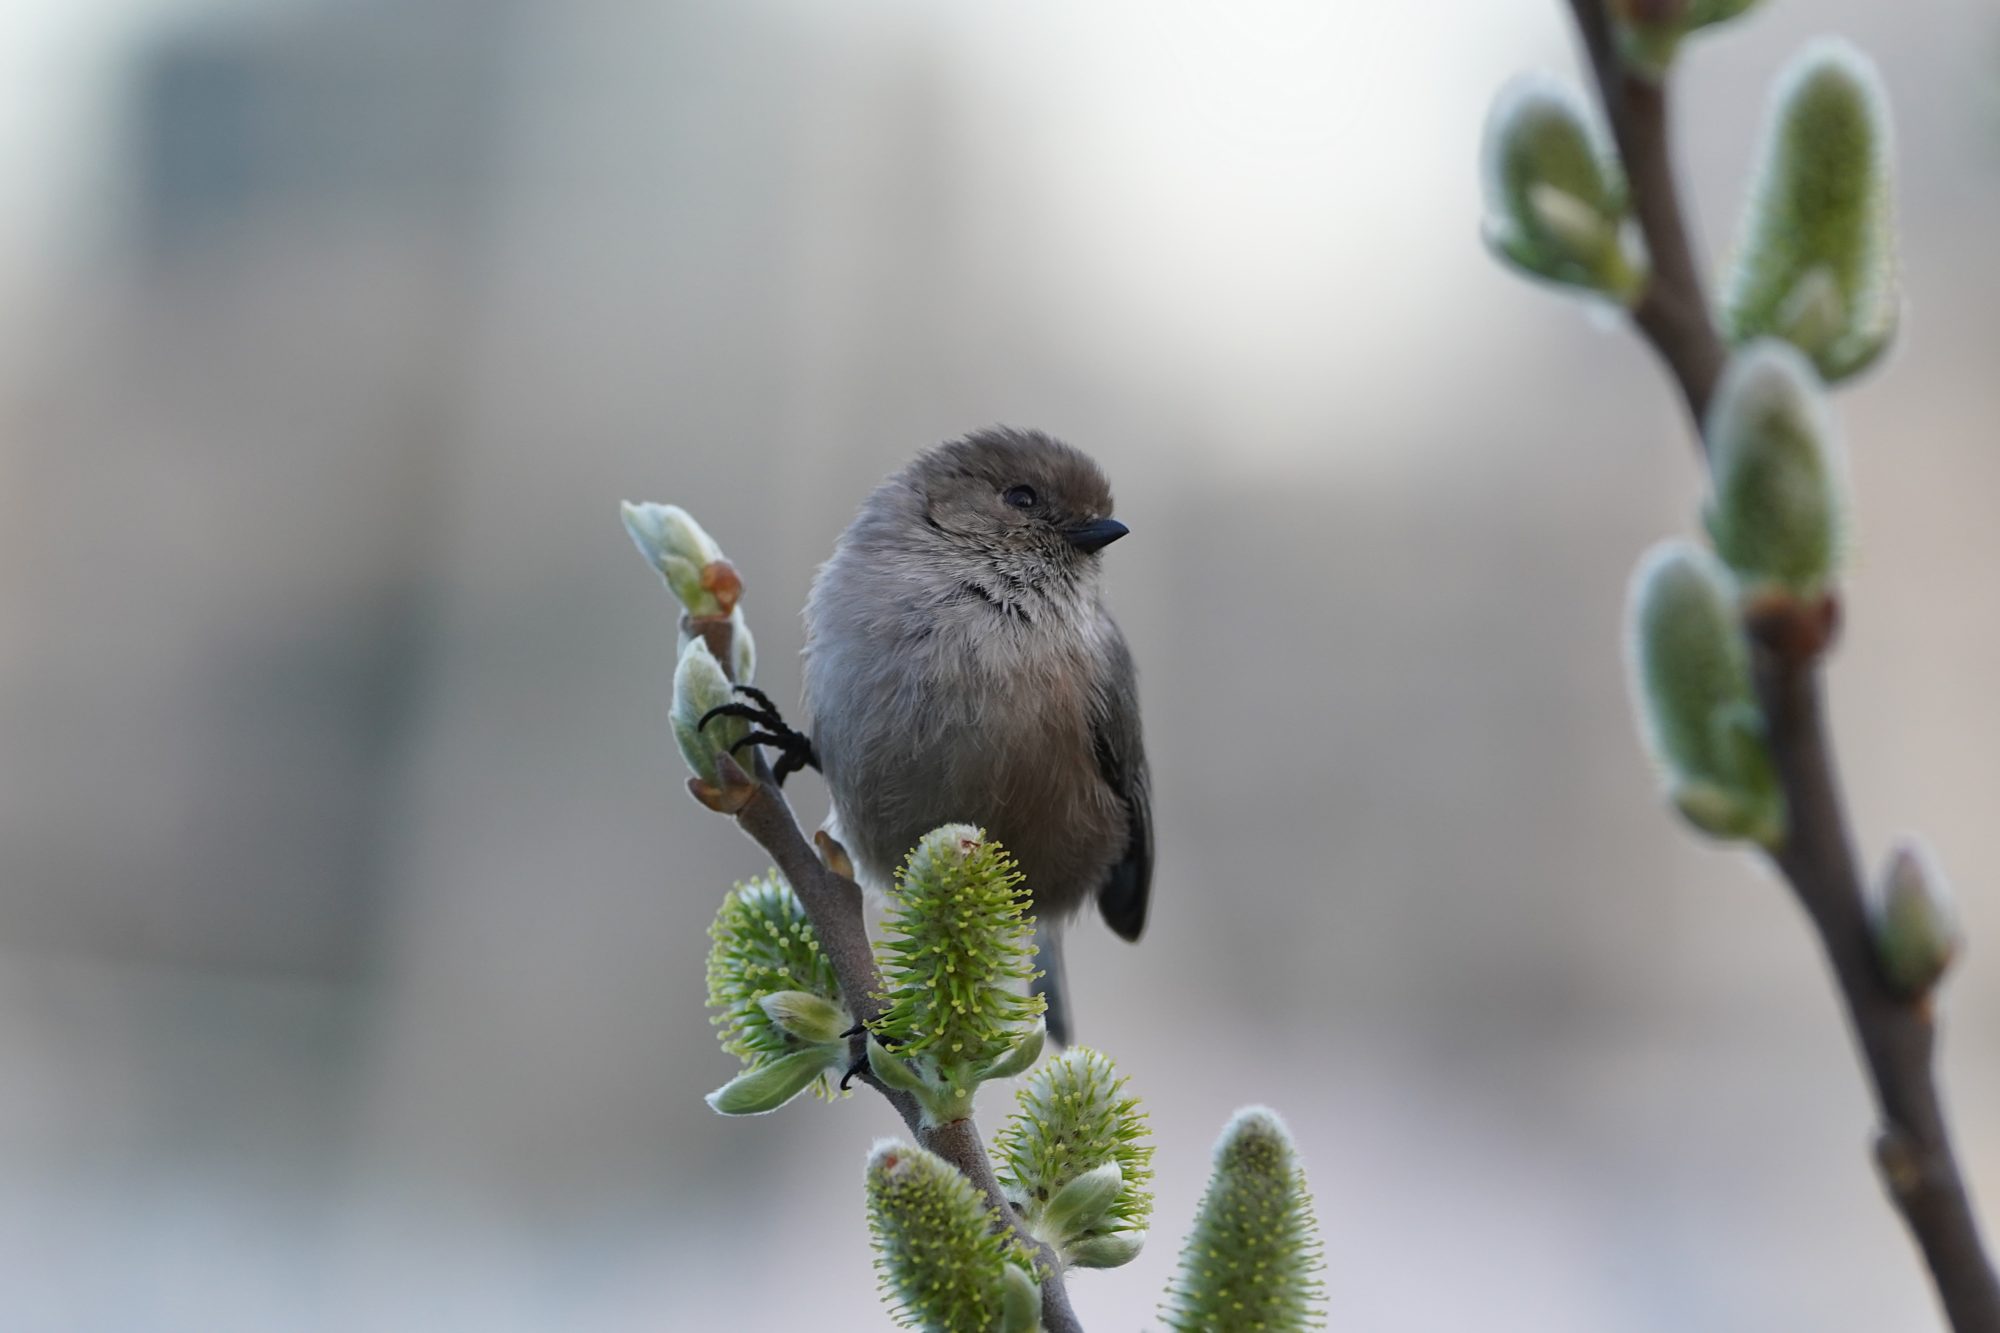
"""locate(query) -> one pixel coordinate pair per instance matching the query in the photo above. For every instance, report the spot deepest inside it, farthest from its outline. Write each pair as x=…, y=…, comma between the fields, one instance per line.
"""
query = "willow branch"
x=1673, y=312
x=1897, y=1036
x=833, y=904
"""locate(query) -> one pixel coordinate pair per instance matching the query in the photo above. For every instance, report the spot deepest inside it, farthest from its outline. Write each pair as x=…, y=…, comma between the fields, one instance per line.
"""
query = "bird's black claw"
x=761, y=699
x=744, y=711
x=791, y=761
x=854, y=1071
x=795, y=749
x=770, y=738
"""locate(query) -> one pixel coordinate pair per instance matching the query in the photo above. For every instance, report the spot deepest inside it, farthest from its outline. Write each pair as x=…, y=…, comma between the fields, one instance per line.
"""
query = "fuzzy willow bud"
x=699, y=576
x=1779, y=511
x=1690, y=666
x=685, y=555
x=1556, y=204
x=1815, y=261
x=700, y=685
x=1254, y=1258
x=1911, y=917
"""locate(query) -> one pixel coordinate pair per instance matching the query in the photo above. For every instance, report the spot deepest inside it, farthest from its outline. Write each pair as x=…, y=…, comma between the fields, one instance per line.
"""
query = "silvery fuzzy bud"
x=1779, y=511
x=893, y=1070
x=1112, y=1250
x=1914, y=924
x=686, y=557
x=1690, y=670
x=1815, y=261
x=1020, y=1300
x=1254, y=1257
x=700, y=685
x=809, y=1018
x=763, y=1088
x=1082, y=1204
x=1556, y=205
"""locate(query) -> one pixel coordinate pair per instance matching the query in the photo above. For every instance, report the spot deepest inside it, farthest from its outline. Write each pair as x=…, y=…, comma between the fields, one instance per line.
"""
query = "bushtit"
x=960, y=667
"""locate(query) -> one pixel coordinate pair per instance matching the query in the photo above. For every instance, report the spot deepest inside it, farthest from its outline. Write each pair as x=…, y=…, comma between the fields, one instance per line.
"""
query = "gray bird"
x=960, y=667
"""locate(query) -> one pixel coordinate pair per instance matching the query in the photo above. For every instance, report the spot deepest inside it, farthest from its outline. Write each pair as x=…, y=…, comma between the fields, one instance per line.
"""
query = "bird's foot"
x=795, y=749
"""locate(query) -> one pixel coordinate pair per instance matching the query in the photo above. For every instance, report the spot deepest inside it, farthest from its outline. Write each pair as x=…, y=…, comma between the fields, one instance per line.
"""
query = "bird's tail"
x=1054, y=985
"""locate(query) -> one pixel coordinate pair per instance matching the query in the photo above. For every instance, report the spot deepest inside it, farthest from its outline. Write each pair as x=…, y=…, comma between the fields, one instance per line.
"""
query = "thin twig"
x=1897, y=1036
x=1673, y=312
x=833, y=905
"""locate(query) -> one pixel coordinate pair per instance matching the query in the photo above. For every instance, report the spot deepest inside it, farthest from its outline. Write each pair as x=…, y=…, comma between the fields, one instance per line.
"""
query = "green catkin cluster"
x=941, y=1251
x=1253, y=1261
x=1075, y=1119
x=1815, y=262
x=765, y=965
x=960, y=947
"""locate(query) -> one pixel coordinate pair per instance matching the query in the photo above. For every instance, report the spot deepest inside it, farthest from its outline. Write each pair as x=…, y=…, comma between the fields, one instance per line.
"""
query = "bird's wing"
x=1121, y=759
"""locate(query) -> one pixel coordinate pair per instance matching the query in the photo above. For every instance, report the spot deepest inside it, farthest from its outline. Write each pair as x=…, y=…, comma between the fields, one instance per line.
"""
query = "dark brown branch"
x=1673, y=311
x=1897, y=1036
x=833, y=904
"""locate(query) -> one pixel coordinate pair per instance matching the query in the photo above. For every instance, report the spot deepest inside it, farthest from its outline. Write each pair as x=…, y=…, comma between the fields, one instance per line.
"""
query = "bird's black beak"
x=1096, y=534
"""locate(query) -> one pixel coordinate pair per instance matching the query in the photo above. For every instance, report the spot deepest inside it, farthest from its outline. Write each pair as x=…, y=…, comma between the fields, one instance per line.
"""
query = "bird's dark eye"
x=1021, y=497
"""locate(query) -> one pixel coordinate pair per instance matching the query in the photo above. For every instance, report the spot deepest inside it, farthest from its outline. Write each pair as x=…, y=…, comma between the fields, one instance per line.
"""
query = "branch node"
x=1795, y=631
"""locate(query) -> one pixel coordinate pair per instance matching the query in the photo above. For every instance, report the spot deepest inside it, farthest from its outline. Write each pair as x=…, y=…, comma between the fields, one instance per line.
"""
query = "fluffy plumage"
x=960, y=667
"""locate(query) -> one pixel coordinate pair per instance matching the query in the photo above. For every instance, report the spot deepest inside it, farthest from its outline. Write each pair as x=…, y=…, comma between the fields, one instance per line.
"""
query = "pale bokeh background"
x=351, y=914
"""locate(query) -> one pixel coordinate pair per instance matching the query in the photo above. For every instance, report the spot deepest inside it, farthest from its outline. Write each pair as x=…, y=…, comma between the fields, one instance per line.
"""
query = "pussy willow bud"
x=1556, y=206
x=1082, y=1204
x=700, y=685
x=1254, y=1257
x=1778, y=516
x=1075, y=1123
x=1915, y=927
x=1108, y=1251
x=1690, y=669
x=1815, y=261
x=941, y=1250
x=686, y=556
x=764, y=1088
x=1650, y=31
x=773, y=996
x=806, y=1017
x=1020, y=1300
x=958, y=951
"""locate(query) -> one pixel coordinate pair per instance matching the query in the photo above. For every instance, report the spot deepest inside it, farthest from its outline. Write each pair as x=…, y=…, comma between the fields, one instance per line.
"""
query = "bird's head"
x=1021, y=497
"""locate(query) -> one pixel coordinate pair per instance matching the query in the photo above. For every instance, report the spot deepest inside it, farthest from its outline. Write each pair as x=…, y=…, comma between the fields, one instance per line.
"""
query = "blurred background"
x=351, y=911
